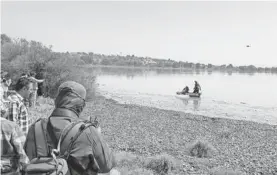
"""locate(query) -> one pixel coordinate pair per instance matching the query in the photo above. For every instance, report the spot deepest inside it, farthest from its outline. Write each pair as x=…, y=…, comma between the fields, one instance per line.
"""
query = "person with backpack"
x=78, y=141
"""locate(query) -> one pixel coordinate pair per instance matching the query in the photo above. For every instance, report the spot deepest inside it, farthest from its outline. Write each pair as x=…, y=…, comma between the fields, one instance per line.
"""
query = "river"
x=240, y=96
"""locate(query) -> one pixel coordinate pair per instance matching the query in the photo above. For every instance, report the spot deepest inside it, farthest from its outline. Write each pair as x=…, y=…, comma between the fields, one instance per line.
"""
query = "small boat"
x=187, y=95
x=194, y=95
x=182, y=96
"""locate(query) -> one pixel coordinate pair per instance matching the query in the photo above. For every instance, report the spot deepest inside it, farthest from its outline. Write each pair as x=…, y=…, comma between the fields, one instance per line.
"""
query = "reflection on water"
x=132, y=72
x=225, y=94
x=195, y=101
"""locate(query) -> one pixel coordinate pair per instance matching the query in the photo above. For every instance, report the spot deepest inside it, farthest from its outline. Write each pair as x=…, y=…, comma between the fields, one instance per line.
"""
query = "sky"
x=207, y=32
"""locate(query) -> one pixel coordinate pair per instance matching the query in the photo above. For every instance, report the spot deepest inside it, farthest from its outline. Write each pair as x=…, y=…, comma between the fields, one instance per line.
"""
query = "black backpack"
x=52, y=160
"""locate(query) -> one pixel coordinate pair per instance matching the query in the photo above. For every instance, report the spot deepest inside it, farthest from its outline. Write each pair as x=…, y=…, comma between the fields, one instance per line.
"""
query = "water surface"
x=227, y=95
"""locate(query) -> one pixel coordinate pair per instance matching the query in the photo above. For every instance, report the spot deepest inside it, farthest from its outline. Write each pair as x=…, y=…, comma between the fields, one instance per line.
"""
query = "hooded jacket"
x=88, y=147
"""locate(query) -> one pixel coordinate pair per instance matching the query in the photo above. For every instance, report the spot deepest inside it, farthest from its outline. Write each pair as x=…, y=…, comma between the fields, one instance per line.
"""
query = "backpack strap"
x=71, y=136
x=50, y=132
x=41, y=143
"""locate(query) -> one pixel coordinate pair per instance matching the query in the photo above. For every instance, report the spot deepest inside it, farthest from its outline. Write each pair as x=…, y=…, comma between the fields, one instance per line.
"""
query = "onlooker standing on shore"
x=18, y=112
x=5, y=85
x=3, y=107
x=41, y=86
x=89, y=153
x=4, y=103
x=13, y=156
x=33, y=95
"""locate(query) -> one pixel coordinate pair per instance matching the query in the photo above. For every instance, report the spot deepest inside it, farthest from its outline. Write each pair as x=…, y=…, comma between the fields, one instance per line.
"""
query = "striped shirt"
x=18, y=112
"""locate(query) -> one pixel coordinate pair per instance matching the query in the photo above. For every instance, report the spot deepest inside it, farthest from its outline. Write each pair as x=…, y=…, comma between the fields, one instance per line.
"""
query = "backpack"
x=51, y=161
x=48, y=161
x=74, y=131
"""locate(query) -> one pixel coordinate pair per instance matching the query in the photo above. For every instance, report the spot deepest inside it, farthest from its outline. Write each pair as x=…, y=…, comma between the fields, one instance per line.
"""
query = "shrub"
x=130, y=164
x=21, y=56
x=200, y=149
x=125, y=159
x=162, y=164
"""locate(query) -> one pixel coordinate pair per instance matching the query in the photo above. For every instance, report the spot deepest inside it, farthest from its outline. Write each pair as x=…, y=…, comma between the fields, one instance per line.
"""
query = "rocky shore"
x=243, y=147
x=247, y=147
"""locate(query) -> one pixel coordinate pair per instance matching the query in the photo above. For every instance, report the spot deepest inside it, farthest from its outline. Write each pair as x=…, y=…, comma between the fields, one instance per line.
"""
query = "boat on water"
x=188, y=95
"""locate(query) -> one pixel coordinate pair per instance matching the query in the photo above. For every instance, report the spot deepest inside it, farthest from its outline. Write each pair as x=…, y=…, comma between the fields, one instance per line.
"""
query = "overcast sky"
x=206, y=32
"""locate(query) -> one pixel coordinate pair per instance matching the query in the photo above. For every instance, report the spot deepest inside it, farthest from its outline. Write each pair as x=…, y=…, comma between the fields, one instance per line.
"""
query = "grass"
x=129, y=163
x=162, y=164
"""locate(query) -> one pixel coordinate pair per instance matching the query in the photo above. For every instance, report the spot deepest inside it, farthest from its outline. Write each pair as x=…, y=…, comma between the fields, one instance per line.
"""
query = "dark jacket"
x=89, y=144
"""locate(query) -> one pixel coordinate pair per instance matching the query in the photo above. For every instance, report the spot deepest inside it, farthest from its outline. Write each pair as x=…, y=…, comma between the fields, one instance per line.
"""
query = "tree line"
x=21, y=56
x=41, y=58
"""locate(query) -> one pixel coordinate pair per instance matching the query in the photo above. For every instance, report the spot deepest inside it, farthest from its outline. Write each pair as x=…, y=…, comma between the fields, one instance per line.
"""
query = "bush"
x=21, y=56
x=200, y=149
x=126, y=159
x=130, y=164
x=162, y=164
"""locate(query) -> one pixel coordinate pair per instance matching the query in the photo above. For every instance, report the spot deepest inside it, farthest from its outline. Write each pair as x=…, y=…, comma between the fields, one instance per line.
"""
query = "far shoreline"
x=172, y=68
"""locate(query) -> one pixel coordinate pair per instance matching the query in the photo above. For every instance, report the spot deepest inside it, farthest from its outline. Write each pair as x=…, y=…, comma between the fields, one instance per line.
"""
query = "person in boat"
x=185, y=90
x=197, y=87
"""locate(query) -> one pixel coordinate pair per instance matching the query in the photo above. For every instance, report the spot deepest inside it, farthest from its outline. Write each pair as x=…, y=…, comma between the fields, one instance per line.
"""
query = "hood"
x=71, y=96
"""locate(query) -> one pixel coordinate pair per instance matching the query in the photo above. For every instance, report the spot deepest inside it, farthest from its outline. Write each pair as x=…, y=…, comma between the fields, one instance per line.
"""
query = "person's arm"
x=23, y=119
x=102, y=153
x=18, y=140
x=36, y=80
x=13, y=112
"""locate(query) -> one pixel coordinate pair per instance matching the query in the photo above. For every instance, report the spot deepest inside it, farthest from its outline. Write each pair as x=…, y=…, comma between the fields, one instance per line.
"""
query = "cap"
x=74, y=86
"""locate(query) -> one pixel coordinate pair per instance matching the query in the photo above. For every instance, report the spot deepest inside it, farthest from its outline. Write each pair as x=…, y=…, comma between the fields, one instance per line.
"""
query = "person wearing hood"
x=88, y=147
